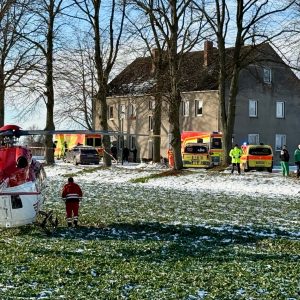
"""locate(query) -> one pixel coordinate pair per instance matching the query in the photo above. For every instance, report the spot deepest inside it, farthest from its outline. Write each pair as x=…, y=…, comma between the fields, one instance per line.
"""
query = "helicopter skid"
x=48, y=223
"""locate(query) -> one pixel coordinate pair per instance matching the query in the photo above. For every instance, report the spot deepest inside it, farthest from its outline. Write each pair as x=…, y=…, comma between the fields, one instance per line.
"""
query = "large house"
x=267, y=108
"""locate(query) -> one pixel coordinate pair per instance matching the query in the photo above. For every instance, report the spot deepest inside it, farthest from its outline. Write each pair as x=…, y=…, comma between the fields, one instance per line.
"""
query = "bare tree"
x=77, y=83
x=107, y=35
x=5, y=6
x=254, y=22
x=16, y=56
x=180, y=28
x=45, y=30
x=146, y=30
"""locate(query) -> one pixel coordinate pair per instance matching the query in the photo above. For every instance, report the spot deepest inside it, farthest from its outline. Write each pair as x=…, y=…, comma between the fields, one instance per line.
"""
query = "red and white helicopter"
x=22, y=179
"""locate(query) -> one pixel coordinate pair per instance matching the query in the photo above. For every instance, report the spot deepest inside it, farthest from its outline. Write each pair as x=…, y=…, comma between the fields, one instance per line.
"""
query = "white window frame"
x=110, y=112
x=253, y=139
x=253, y=108
x=267, y=75
x=280, y=109
x=150, y=123
x=280, y=140
x=198, y=108
x=185, y=108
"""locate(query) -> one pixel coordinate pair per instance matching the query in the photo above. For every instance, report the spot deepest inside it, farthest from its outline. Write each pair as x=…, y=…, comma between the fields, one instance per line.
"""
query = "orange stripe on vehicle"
x=257, y=157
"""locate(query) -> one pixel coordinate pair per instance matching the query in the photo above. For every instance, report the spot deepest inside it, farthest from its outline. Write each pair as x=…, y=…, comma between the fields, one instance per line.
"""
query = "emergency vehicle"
x=72, y=140
x=200, y=149
x=257, y=157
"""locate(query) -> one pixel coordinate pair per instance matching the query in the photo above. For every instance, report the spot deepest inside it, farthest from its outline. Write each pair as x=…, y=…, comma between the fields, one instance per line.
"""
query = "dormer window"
x=267, y=75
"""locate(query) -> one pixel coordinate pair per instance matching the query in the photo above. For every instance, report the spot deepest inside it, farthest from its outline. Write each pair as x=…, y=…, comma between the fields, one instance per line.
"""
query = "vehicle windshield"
x=216, y=143
x=260, y=151
x=89, y=151
x=195, y=149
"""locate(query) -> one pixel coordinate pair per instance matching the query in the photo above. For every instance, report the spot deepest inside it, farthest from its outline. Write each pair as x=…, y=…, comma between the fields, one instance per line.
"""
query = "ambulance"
x=201, y=149
x=72, y=140
x=257, y=157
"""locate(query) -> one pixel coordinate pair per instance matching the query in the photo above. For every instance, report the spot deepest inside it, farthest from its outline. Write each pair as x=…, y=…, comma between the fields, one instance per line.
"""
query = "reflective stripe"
x=69, y=220
x=75, y=218
x=72, y=196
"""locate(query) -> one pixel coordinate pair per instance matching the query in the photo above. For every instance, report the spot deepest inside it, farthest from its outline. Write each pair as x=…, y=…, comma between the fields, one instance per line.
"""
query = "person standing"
x=114, y=152
x=235, y=155
x=125, y=154
x=72, y=194
x=284, y=161
x=297, y=160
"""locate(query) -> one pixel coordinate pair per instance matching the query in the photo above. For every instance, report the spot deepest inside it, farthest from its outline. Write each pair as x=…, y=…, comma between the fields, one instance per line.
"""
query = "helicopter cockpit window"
x=16, y=202
x=22, y=162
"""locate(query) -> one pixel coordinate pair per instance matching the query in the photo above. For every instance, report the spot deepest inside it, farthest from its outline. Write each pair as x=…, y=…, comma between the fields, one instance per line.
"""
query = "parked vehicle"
x=82, y=155
x=193, y=144
x=68, y=141
x=196, y=155
x=257, y=157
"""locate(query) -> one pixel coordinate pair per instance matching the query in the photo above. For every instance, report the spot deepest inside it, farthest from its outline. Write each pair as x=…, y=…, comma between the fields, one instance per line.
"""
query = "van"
x=196, y=155
x=257, y=157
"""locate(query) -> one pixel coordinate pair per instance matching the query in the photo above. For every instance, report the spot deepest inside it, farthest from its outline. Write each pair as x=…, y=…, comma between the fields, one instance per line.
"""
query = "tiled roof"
x=138, y=78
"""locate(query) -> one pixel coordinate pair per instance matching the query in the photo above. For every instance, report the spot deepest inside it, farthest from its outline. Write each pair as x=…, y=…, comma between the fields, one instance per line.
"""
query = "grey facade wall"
x=284, y=87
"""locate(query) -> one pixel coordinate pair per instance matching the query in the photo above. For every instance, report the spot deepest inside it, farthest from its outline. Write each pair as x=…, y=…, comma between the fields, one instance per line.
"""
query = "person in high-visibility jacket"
x=235, y=155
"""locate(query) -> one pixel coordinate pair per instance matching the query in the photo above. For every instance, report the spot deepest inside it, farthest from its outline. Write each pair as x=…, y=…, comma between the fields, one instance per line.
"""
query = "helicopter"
x=22, y=179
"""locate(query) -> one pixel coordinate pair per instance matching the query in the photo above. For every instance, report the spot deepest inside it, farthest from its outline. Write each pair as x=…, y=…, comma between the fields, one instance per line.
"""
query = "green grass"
x=160, y=175
x=142, y=243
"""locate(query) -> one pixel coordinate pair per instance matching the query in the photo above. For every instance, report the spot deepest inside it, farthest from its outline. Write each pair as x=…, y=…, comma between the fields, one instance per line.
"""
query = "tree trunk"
x=175, y=129
x=100, y=100
x=2, y=100
x=49, y=94
x=157, y=128
x=175, y=97
x=104, y=126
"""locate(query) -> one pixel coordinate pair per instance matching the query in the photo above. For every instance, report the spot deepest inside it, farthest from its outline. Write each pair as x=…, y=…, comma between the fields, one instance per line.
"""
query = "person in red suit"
x=72, y=194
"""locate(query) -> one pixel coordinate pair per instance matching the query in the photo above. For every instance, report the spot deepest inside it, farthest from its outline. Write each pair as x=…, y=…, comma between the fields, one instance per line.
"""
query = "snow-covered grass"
x=197, y=235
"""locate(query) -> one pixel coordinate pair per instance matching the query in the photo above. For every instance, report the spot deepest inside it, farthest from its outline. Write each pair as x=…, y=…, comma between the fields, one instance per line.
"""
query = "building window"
x=132, y=110
x=110, y=112
x=132, y=142
x=185, y=108
x=267, y=75
x=253, y=139
x=280, y=140
x=122, y=110
x=151, y=104
x=280, y=113
x=150, y=123
x=198, y=107
x=252, y=108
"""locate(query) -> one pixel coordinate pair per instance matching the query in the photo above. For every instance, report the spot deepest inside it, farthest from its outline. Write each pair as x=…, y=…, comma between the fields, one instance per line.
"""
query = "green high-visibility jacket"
x=235, y=155
x=297, y=155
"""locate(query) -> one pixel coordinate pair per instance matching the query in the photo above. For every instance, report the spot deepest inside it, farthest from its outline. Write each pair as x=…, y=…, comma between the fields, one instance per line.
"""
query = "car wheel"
x=269, y=169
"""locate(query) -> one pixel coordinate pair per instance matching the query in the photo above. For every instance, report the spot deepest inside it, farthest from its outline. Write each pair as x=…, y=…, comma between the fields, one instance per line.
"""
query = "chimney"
x=208, y=53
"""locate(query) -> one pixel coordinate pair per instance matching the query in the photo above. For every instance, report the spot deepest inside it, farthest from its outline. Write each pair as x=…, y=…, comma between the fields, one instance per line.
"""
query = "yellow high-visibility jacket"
x=235, y=155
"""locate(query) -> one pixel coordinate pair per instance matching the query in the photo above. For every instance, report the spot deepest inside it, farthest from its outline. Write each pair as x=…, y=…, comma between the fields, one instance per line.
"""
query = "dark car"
x=82, y=155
